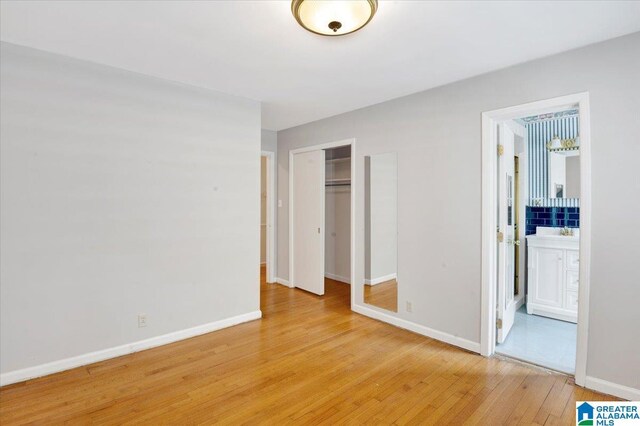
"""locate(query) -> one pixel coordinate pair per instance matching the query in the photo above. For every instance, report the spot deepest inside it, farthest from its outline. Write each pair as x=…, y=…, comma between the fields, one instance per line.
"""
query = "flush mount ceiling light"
x=333, y=17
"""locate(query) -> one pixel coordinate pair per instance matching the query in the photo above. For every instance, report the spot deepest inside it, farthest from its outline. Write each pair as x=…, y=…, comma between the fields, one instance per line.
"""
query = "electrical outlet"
x=142, y=320
x=279, y=203
x=409, y=307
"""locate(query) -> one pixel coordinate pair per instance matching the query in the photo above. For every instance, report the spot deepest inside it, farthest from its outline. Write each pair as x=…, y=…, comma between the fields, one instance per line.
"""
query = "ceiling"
x=255, y=49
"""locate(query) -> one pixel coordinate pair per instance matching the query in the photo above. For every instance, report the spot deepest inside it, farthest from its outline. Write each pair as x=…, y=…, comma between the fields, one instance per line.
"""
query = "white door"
x=307, y=254
x=506, y=304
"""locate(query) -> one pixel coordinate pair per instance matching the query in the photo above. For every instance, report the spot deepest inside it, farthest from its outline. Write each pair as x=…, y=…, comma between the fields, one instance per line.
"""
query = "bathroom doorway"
x=536, y=183
x=267, y=216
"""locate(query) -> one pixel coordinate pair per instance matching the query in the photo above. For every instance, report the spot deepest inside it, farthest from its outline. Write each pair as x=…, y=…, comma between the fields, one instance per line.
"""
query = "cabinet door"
x=547, y=289
x=573, y=280
x=572, y=301
x=573, y=260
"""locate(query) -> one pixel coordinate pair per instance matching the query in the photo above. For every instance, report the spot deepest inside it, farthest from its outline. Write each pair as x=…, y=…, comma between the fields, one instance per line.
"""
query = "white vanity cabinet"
x=552, y=266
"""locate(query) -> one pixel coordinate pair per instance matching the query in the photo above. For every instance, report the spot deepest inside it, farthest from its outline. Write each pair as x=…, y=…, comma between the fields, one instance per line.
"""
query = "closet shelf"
x=338, y=182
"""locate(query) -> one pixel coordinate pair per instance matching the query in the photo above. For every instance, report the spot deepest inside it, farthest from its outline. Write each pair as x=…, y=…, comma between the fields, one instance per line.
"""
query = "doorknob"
x=318, y=230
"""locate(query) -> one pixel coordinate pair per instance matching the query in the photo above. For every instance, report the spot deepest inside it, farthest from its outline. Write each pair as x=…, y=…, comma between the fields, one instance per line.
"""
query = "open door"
x=307, y=255
x=506, y=304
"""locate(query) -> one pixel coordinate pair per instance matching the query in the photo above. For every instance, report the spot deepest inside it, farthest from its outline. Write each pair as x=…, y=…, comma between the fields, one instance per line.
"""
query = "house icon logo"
x=585, y=414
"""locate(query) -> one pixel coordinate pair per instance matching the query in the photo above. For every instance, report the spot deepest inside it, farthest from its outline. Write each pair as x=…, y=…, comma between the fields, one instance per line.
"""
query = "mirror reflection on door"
x=381, y=231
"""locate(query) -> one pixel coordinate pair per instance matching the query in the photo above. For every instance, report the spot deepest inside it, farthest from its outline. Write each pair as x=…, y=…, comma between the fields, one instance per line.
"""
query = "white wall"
x=121, y=194
x=337, y=258
x=382, y=211
x=437, y=135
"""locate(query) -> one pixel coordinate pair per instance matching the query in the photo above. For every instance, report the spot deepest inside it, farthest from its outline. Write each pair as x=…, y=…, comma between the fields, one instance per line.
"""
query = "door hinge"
x=499, y=324
x=500, y=237
x=500, y=149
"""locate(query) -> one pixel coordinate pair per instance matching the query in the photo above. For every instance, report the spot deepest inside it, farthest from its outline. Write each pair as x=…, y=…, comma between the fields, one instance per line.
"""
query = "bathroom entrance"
x=533, y=275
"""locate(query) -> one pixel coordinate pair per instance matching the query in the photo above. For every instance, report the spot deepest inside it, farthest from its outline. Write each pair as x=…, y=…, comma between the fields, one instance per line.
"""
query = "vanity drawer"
x=573, y=260
x=573, y=280
x=571, y=302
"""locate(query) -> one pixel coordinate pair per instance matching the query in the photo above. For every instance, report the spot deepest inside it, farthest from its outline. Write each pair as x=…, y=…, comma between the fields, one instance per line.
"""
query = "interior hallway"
x=310, y=360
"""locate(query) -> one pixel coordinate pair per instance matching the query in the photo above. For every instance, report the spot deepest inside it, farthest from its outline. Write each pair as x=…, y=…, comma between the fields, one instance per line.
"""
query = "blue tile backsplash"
x=556, y=217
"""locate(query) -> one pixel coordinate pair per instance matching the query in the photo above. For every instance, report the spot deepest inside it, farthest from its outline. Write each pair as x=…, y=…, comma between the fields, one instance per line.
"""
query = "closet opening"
x=321, y=220
x=337, y=219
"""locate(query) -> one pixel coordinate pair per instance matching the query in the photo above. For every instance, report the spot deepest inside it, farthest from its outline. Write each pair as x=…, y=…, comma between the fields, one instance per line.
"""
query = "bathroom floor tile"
x=543, y=341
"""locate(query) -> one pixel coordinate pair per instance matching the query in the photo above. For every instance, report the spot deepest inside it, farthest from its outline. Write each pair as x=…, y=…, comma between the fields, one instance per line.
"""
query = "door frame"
x=506, y=193
x=490, y=120
x=351, y=142
x=271, y=214
x=523, y=196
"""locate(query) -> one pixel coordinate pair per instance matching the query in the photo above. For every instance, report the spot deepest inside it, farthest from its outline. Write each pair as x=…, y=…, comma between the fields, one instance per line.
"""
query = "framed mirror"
x=564, y=174
x=381, y=231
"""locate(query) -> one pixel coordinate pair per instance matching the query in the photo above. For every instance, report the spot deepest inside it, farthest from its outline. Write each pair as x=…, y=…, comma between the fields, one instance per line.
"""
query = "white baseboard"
x=89, y=358
x=417, y=328
x=611, y=388
x=519, y=302
x=381, y=279
x=337, y=277
x=283, y=282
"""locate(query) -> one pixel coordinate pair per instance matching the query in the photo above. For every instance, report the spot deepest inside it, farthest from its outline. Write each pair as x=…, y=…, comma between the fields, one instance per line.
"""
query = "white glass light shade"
x=333, y=17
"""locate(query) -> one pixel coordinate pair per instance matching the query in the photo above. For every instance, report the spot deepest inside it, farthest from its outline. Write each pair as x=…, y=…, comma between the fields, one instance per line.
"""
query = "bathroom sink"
x=555, y=233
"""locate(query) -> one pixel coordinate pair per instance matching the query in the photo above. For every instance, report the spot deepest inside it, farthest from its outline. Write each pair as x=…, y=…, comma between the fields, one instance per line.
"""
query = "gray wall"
x=121, y=194
x=269, y=140
x=573, y=177
x=437, y=135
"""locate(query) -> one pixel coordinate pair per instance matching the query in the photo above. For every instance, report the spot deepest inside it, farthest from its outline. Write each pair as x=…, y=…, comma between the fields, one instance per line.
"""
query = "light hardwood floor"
x=309, y=361
x=383, y=295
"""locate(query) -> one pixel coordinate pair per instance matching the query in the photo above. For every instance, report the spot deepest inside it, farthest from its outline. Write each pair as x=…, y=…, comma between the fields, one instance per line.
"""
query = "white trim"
x=523, y=194
x=585, y=240
x=382, y=279
x=141, y=345
x=420, y=329
x=520, y=300
x=614, y=389
x=344, y=142
x=271, y=215
x=551, y=312
x=283, y=282
x=489, y=120
x=335, y=277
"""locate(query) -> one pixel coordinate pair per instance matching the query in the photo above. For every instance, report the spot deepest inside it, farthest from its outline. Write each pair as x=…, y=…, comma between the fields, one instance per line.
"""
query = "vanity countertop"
x=551, y=235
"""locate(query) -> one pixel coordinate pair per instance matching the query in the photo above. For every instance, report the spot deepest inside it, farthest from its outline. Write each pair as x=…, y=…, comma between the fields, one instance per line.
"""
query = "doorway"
x=536, y=234
x=321, y=212
x=267, y=216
